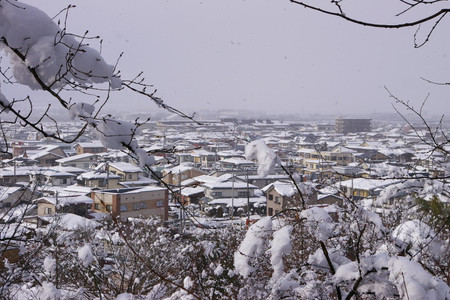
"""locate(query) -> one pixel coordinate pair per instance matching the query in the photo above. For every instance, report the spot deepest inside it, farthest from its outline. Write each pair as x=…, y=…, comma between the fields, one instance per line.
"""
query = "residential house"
x=199, y=180
x=362, y=188
x=133, y=202
x=191, y=195
x=230, y=154
x=348, y=172
x=372, y=156
x=12, y=175
x=229, y=189
x=184, y=158
x=45, y=156
x=131, y=175
x=68, y=169
x=82, y=161
x=339, y=155
x=53, y=178
x=261, y=182
x=99, y=179
x=233, y=198
x=19, y=148
x=15, y=195
x=282, y=195
x=127, y=171
x=325, y=200
x=217, y=147
x=19, y=161
x=342, y=156
x=318, y=169
x=75, y=204
x=204, y=159
x=92, y=147
x=236, y=164
x=175, y=175
x=329, y=195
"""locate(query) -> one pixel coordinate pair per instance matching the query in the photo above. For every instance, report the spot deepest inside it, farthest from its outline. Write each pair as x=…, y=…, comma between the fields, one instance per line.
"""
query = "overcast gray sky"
x=262, y=55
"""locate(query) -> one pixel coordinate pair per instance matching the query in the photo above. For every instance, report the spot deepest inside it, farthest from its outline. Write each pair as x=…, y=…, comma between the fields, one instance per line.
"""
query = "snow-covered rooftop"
x=228, y=185
x=125, y=167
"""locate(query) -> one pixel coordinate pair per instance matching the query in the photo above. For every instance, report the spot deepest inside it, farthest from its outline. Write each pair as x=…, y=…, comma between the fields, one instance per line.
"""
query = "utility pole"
x=232, y=196
x=181, y=206
x=248, y=199
x=15, y=171
x=56, y=202
x=107, y=174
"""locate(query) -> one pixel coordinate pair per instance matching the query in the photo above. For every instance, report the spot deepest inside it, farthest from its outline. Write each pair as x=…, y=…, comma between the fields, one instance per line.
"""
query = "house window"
x=136, y=206
x=242, y=194
x=130, y=176
x=7, y=204
x=47, y=210
x=109, y=207
x=123, y=207
x=277, y=199
x=270, y=198
x=159, y=203
x=102, y=183
x=270, y=211
x=216, y=194
x=97, y=206
x=143, y=205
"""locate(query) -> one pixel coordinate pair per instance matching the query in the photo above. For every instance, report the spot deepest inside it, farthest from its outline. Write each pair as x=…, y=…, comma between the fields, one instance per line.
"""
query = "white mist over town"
x=265, y=56
x=291, y=181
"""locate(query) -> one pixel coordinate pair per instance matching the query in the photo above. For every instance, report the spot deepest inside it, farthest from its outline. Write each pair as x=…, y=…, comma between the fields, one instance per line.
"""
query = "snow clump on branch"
x=252, y=245
x=116, y=134
x=45, y=57
x=267, y=159
x=113, y=134
x=280, y=245
x=414, y=236
x=81, y=110
x=413, y=282
x=319, y=222
x=85, y=255
x=37, y=44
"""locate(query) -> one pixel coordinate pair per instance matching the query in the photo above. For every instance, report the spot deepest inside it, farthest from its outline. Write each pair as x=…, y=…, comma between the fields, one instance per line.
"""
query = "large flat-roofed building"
x=352, y=125
x=132, y=202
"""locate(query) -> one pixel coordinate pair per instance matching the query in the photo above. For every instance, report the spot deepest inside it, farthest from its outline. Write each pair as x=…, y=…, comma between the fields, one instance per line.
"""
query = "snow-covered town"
x=102, y=199
x=209, y=179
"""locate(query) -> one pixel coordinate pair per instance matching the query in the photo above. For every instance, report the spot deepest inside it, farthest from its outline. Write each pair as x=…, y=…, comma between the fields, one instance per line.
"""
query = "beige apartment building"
x=132, y=202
